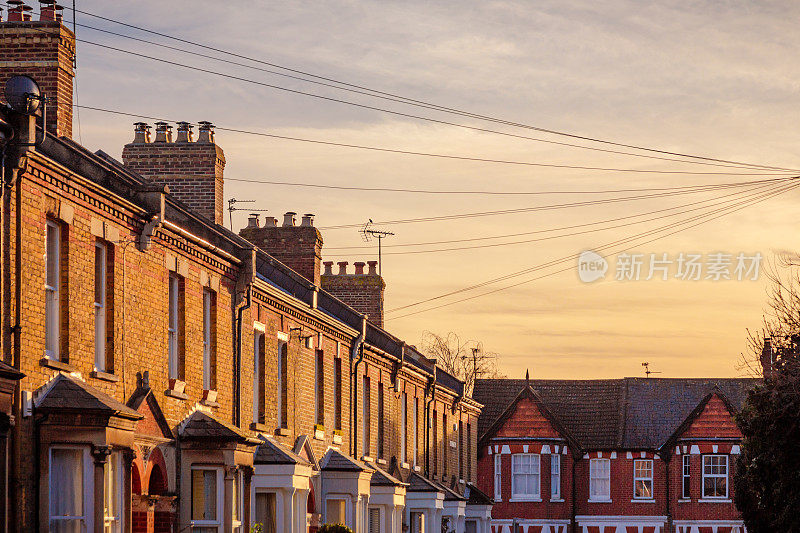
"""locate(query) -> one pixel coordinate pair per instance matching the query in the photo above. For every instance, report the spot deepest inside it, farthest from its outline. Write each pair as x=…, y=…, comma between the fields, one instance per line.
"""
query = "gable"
x=153, y=424
x=715, y=420
x=527, y=420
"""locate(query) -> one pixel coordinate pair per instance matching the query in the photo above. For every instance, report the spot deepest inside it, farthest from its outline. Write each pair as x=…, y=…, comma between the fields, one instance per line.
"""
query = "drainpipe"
x=667, y=458
x=237, y=356
x=358, y=350
x=432, y=388
x=577, y=458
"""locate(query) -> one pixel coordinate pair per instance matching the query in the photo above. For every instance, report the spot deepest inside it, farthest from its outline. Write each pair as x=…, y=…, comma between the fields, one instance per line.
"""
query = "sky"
x=706, y=77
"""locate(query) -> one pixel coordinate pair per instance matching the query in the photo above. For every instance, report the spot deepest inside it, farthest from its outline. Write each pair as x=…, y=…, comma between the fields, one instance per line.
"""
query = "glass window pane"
x=266, y=511
x=66, y=482
x=204, y=495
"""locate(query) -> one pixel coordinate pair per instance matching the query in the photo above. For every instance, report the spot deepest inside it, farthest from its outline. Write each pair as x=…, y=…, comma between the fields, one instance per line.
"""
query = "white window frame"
x=597, y=475
x=404, y=428
x=172, y=326
x=52, y=289
x=282, y=345
x=277, y=494
x=114, y=523
x=555, y=477
x=534, y=470
x=646, y=464
x=686, y=477
x=208, y=299
x=88, y=488
x=258, y=372
x=716, y=476
x=319, y=397
x=238, y=503
x=199, y=524
x=498, y=477
x=415, y=439
x=376, y=509
x=100, y=293
x=366, y=399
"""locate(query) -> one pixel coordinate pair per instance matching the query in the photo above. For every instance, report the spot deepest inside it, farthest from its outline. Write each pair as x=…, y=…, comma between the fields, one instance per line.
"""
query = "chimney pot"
x=308, y=219
x=15, y=10
x=342, y=268
x=185, y=133
x=205, y=132
x=48, y=10
x=252, y=221
x=289, y=219
x=163, y=132
x=270, y=222
x=328, y=267
x=373, y=268
x=359, y=268
x=141, y=132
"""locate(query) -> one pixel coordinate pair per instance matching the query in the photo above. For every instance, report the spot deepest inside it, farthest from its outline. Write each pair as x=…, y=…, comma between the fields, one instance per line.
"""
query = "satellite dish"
x=23, y=95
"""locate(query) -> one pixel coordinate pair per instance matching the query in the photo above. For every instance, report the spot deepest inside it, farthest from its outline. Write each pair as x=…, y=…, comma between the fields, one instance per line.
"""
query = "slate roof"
x=626, y=413
x=418, y=483
x=68, y=393
x=475, y=496
x=270, y=452
x=337, y=461
x=9, y=372
x=381, y=477
x=201, y=425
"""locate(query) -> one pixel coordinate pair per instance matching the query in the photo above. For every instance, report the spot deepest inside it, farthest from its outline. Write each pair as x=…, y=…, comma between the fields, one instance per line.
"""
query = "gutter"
x=357, y=350
x=202, y=242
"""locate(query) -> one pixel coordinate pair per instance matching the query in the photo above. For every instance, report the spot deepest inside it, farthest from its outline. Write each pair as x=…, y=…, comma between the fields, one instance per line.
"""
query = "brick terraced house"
x=160, y=373
x=632, y=455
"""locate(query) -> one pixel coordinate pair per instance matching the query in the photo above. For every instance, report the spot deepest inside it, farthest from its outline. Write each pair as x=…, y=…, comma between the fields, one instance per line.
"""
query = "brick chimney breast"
x=361, y=291
x=43, y=49
x=192, y=170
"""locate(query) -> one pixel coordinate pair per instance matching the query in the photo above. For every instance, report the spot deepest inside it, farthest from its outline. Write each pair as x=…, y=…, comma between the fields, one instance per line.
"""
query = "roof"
x=68, y=393
x=449, y=494
x=9, y=372
x=337, y=461
x=476, y=496
x=270, y=452
x=627, y=413
x=418, y=483
x=381, y=477
x=201, y=425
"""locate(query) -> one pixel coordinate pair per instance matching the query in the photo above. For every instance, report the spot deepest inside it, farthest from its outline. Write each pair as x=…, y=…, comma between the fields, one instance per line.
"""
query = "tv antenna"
x=368, y=234
x=647, y=370
x=232, y=207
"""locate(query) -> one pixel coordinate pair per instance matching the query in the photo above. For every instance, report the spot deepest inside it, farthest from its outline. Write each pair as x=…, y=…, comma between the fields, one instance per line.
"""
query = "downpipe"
x=357, y=351
x=237, y=370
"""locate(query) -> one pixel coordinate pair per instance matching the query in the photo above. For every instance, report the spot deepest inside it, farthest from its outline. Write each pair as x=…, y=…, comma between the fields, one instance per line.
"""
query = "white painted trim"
x=258, y=326
x=282, y=336
x=715, y=500
x=642, y=500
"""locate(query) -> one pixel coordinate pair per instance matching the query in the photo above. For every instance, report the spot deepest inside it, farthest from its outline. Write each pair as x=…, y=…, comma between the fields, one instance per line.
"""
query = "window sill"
x=381, y=462
x=209, y=403
x=524, y=499
x=366, y=458
x=105, y=376
x=417, y=468
x=600, y=501
x=255, y=426
x=404, y=465
x=558, y=500
x=714, y=500
x=57, y=365
x=684, y=500
x=337, y=439
x=461, y=481
x=283, y=432
x=643, y=500
x=175, y=394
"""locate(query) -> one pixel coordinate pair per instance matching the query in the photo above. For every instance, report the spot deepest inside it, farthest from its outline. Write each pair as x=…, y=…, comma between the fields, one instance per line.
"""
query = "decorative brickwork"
x=363, y=291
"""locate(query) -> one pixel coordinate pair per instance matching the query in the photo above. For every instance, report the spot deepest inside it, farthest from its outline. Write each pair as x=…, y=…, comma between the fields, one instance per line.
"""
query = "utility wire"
x=397, y=98
x=705, y=161
x=761, y=197
x=590, y=225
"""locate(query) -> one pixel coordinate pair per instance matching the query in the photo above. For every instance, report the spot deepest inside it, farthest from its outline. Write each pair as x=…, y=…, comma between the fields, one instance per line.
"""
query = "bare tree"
x=465, y=359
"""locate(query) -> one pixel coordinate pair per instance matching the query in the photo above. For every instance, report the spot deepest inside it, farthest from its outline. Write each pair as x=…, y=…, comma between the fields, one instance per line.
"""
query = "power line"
x=779, y=189
x=766, y=197
x=410, y=101
x=705, y=161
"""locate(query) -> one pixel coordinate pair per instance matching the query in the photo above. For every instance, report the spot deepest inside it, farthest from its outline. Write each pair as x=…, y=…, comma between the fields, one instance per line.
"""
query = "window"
x=335, y=512
x=498, y=477
x=469, y=451
x=267, y=511
x=174, y=339
x=206, y=499
x=283, y=384
x=555, y=477
x=374, y=520
x=112, y=495
x=643, y=479
x=101, y=307
x=381, y=414
x=435, y=442
x=52, y=286
x=686, y=492
x=599, y=479
x=209, y=339
x=417, y=522
x=67, y=509
x=715, y=476
x=259, y=382
x=236, y=514
x=460, y=449
x=525, y=479
x=416, y=431
x=319, y=391
x=365, y=416
x=337, y=392
x=404, y=428
x=471, y=526
x=445, y=444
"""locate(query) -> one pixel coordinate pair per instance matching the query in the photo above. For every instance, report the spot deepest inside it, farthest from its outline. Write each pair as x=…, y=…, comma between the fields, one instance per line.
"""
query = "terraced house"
x=632, y=455
x=161, y=373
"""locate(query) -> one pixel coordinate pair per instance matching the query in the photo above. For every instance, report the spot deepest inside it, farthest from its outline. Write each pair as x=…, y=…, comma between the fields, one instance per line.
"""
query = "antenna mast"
x=647, y=370
x=368, y=234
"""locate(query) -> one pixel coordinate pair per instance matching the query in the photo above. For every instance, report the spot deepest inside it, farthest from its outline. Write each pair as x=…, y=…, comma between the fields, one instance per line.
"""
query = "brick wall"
x=298, y=247
x=363, y=291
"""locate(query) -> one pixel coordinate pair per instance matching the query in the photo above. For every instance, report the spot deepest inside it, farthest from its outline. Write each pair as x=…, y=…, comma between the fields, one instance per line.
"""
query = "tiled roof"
x=381, y=477
x=612, y=413
x=200, y=425
x=475, y=496
x=68, y=393
x=418, y=483
x=270, y=452
x=336, y=460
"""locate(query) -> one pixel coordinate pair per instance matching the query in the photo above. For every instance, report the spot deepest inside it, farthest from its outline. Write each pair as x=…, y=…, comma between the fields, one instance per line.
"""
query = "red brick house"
x=629, y=455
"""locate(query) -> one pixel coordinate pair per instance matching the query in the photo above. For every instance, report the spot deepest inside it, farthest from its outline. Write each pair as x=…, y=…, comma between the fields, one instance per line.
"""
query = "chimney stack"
x=43, y=49
x=192, y=170
x=252, y=220
x=361, y=291
x=298, y=247
x=767, y=358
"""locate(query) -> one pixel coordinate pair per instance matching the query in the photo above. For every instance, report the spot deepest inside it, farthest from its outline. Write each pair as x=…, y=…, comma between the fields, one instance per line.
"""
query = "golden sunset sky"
x=716, y=79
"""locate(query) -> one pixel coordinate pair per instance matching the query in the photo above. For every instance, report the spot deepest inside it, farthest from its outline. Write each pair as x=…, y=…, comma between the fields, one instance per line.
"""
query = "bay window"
x=715, y=476
x=643, y=479
x=525, y=478
x=67, y=497
x=238, y=502
x=207, y=490
x=267, y=511
x=599, y=480
x=112, y=494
